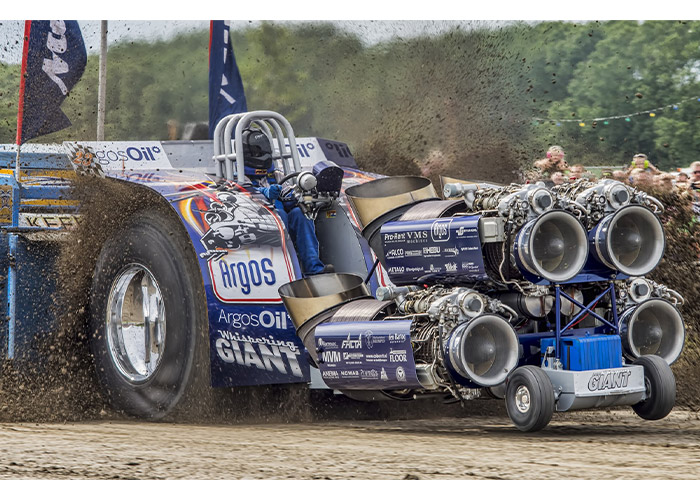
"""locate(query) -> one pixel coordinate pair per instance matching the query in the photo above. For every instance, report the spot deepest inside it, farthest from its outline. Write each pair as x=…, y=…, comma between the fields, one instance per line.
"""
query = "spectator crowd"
x=553, y=170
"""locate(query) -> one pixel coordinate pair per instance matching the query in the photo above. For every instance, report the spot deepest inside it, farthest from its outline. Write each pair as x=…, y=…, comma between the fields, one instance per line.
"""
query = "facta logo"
x=351, y=344
x=440, y=230
x=609, y=380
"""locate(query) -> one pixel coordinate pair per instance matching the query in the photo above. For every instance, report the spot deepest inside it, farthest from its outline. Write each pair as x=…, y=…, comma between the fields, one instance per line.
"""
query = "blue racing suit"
x=301, y=228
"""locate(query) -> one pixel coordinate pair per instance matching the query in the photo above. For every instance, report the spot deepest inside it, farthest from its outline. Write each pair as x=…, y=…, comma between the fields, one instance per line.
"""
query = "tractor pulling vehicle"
x=521, y=292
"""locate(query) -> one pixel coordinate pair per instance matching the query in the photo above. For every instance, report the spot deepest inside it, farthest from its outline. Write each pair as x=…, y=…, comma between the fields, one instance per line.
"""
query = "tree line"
x=489, y=100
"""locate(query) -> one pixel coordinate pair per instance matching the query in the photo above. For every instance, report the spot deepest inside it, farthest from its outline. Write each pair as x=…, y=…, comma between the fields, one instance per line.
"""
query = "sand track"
x=583, y=445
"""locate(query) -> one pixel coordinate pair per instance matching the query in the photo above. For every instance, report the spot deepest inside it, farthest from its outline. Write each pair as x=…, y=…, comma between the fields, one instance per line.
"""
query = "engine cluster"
x=487, y=275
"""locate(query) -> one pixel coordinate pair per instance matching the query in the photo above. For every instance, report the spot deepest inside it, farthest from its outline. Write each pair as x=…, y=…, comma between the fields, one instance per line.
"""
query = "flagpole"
x=102, y=87
x=22, y=81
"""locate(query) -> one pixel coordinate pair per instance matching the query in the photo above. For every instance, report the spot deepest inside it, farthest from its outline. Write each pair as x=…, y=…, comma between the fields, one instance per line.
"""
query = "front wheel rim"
x=135, y=323
x=522, y=399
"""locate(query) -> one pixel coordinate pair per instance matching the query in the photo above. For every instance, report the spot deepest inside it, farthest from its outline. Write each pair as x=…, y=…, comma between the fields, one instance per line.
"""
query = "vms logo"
x=440, y=230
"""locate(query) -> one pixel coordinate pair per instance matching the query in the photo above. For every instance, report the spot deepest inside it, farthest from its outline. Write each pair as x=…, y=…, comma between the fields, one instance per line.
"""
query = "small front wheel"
x=660, y=388
x=529, y=398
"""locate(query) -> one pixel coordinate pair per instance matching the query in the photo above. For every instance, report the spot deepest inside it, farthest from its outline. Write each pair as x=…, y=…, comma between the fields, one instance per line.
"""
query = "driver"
x=260, y=171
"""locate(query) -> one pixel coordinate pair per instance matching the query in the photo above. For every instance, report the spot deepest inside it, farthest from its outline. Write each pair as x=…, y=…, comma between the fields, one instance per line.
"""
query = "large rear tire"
x=660, y=388
x=529, y=398
x=148, y=317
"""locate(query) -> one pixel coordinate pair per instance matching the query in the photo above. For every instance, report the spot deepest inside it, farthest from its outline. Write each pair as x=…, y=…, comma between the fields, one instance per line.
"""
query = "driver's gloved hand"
x=287, y=194
x=273, y=192
x=288, y=198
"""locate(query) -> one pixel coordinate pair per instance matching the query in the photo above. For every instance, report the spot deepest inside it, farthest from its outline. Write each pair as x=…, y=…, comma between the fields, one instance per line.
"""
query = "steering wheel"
x=288, y=177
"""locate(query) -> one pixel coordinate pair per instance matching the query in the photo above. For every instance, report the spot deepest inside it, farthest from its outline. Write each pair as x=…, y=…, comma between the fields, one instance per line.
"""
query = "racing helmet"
x=257, y=154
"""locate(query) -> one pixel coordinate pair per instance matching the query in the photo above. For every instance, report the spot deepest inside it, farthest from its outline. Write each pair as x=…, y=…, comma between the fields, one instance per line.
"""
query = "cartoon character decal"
x=233, y=222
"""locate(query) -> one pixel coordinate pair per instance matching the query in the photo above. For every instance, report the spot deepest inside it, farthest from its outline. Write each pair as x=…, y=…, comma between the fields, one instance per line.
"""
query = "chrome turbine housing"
x=653, y=327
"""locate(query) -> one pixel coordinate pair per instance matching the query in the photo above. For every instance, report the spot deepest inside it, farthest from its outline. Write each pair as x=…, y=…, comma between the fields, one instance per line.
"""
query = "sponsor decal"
x=414, y=269
x=118, y=155
x=376, y=358
x=434, y=269
x=400, y=374
x=369, y=374
x=394, y=253
x=450, y=267
x=397, y=337
x=406, y=236
x=324, y=344
x=351, y=344
x=83, y=159
x=601, y=381
x=368, y=339
x=398, y=356
x=264, y=353
x=352, y=356
x=243, y=246
x=244, y=276
x=440, y=230
x=330, y=357
x=384, y=376
x=464, y=231
x=431, y=251
x=58, y=221
x=266, y=319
